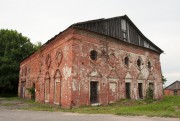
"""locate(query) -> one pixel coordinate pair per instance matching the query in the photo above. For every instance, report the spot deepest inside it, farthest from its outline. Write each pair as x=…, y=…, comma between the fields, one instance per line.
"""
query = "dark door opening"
x=140, y=90
x=33, y=95
x=128, y=92
x=93, y=92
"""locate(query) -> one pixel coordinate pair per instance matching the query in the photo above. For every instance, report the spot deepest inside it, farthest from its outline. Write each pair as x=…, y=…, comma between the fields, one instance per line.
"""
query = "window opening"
x=93, y=55
x=140, y=90
x=149, y=65
x=93, y=92
x=128, y=92
x=139, y=63
x=126, y=61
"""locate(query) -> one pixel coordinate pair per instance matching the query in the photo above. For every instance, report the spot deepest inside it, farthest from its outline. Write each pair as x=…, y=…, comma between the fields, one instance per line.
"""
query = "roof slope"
x=174, y=86
x=121, y=28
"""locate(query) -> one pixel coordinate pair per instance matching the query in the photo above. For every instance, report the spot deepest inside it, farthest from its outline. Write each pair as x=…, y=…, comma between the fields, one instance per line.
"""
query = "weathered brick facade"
x=173, y=89
x=82, y=67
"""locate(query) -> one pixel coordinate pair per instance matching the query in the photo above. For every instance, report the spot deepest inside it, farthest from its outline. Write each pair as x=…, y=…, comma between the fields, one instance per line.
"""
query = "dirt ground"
x=12, y=104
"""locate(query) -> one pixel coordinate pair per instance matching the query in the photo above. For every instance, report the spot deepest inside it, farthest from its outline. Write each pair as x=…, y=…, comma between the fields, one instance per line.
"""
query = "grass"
x=168, y=107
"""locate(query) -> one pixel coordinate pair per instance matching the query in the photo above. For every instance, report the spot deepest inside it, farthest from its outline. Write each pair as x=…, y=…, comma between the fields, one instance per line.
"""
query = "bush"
x=32, y=92
x=149, y=93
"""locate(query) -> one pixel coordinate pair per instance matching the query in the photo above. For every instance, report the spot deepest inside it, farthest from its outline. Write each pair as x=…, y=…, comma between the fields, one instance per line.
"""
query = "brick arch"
x=58, y=57
x=57, y=87
x=57, y=74
x=48, y=61
x=47, y=87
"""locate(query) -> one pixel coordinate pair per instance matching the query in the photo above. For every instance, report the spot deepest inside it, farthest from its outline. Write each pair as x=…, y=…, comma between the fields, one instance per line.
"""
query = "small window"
x=126, y=61
x=175, y=92
x=149, y=65
x=123, y=24
x=93, y=54
x=139, y=63
x=124, y=29
x=151, y=86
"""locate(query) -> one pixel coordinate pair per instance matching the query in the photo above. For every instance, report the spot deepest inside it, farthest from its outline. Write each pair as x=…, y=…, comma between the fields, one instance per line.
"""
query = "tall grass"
x=168, y=107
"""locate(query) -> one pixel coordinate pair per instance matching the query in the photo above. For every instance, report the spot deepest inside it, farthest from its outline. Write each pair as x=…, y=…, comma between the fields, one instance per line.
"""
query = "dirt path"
x=12, y=104
x=21, y=115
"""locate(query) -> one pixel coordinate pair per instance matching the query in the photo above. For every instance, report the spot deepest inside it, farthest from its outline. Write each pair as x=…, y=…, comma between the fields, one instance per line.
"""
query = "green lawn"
x=168, y=107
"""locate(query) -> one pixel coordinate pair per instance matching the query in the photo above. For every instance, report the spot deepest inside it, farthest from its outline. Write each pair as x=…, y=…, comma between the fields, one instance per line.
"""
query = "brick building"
x=93, y=62
x=173, y=89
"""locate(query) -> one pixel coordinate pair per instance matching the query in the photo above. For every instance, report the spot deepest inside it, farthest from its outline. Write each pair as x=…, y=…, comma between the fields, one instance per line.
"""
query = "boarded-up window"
x=123, y=24
x=57, y=87
x=47, y=87
x=146, y=44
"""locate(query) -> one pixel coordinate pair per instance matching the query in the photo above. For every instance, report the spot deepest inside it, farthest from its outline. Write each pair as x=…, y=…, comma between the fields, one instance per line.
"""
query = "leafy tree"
x=37, y=45
x=14, y=47
x=164, y=79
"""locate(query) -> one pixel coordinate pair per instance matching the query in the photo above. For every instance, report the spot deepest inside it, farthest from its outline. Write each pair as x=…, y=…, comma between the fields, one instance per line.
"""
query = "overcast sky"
x=158, y=20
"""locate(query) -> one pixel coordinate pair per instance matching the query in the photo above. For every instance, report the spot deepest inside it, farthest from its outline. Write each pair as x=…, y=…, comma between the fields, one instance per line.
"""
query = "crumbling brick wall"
x=64, y=73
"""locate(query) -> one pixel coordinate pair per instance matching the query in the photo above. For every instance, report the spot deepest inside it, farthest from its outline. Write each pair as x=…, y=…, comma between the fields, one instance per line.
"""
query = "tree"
x=37, y=45
x=14, y=47
x=163, y=79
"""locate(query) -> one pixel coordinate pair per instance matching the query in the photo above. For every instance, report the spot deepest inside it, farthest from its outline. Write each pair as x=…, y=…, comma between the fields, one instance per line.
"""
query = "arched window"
x=139, y=63
x=93, y=55
x=57, y=87
x=126, y=61
x=149, y=64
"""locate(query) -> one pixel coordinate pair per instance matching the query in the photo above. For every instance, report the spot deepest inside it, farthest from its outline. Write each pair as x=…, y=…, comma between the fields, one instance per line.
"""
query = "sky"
x=158, y=20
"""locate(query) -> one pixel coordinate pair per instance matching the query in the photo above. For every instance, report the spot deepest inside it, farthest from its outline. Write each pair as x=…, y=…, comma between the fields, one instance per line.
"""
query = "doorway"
x=140, y=90
x=22, y=90
x=93, y=92
x=128, y=92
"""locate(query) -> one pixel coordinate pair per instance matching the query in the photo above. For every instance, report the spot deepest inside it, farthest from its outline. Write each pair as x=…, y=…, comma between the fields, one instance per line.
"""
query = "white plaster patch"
x=94, y=73
x=112, y=86
x=145, y=72
x=128, y=80
x=66, y=72
x=128, y=76
x=74, y=85
x=66, y=50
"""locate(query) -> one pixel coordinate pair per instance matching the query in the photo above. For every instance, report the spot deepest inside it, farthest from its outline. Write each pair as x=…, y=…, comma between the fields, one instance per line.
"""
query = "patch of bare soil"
x=12, y=104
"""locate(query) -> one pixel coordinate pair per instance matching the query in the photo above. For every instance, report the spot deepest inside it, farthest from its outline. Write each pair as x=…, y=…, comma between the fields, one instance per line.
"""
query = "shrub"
x=32, y=92
x=149, y=93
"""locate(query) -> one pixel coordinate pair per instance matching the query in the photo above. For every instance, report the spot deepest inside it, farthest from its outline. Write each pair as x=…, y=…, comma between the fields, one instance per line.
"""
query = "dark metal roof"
x=174, y=86
x=112, y=27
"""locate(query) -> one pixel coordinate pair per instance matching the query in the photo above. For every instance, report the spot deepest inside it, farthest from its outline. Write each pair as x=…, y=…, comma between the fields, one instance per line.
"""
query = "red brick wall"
x=42, y=66
x=111, y=71
x=69, y=53
x=170, y=92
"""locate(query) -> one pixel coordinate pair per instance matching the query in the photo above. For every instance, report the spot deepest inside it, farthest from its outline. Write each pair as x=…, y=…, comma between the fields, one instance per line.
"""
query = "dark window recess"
x=139, y=63
x=149, y=64
x=151, y=86
x=126, y=61
x=175, y=92
x=128, y=92
x=93, y=92
x=93, y=55
x=140, y=90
